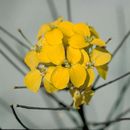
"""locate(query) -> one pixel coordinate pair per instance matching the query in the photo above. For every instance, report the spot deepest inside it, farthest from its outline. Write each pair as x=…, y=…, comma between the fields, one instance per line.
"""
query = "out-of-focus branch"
x=46, y=108
x=114, y=53
x=117, y=118
x=19, y=58
x=14, y=37
x=52, y=8
x=112, y=81
x=25, y=38
x=17, y=118
x=68, y=4
x=108, y=122
x=119, y=99
x=12, y=63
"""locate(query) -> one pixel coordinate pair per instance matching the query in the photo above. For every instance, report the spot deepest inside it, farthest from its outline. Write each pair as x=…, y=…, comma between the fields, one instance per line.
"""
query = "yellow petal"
x=93, y=32
x=100, y=56
x=43, y=55
x=33, y=80
x=102, y=71
x=31, y=59
x=82, y=29
x=47, y=80
x=77, y=75
x=41, y=42
x=91, y=77
x=60, y=77
x=85, y=57
x=56, y=54
x=54, y=37
x=43, y=29
x=73, y=55
x=57, y=22
x=77, y=41
x=98, y=42
x=67, y=28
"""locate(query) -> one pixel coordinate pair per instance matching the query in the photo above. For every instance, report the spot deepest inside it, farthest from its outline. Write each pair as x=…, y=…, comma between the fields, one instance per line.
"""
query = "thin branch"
x=57, y=100
x=46, y=108
x=68, y=3
x=115, y=52
x=17, y=118
x=25, y=38
x=14, y=37
x=12, y=63
x=123, y=113
x=52, y=8
x=19, y=58
x=20, y=87
x=119, y=99
x=108, y=122
x=112, y=81
x=63, y=105
x=118, y=117
x=121, y=43
x=109, y=39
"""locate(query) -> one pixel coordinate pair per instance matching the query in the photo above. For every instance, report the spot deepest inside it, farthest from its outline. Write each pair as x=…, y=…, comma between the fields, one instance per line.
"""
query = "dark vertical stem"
x=68, y=2
x=82, y=115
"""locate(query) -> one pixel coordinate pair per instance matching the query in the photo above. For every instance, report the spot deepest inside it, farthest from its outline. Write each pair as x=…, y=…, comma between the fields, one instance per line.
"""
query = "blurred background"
x=110, y=18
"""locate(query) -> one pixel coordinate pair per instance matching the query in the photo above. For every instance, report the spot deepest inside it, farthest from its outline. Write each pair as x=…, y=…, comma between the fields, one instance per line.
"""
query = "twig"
x=10, y=49
x=53, y=9
x=115, y=52
x=121, y=43
x=108, y=40
x=25, y=38
x=119, y=99
x=12, y=63
x=108, y=122
x=14, y=37
x=123, y=113
x=112, y=81
x=118, y=117
x=56, y=99
x=63, y=105
x=19, y=58
x=68, y=3
x=20, y=87
x=17, y=118
x=82, y=115
x=46, y=108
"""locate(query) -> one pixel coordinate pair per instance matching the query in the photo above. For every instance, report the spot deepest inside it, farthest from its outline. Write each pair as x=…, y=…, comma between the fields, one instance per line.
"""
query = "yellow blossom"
x=65, y=56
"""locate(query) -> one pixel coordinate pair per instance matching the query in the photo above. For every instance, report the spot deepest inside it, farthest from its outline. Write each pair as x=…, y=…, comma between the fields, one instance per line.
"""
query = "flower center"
x=66, y=64
x=42, y=68
x=88, y=39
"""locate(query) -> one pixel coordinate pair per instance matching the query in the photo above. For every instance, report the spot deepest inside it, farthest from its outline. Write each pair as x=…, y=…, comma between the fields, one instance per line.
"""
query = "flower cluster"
x=64, y=57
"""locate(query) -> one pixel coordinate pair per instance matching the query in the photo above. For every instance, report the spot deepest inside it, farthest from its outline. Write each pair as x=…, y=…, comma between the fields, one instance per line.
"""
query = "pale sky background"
x=110, y=17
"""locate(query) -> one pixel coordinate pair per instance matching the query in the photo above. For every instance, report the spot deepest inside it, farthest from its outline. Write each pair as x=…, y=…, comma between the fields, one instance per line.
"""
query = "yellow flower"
x=48, y=27
x=85, y=36
x=100, y=56
x=67, y=28
x=65, y=56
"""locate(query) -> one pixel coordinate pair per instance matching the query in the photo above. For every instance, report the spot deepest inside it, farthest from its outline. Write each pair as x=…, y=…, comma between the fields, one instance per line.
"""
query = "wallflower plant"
x=66, y=56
